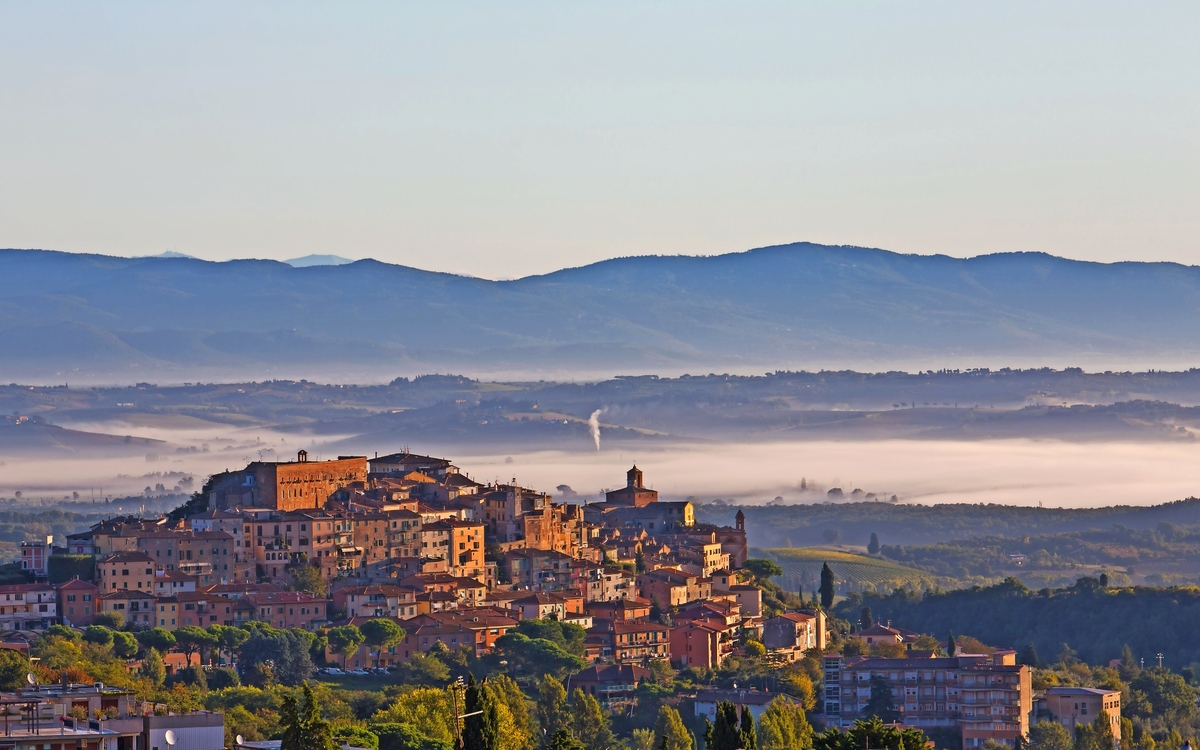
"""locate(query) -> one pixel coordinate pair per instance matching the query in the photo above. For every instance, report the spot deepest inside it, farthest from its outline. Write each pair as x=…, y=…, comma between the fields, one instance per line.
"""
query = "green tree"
x=589, y=722
x=726, y=731
x=194, y=640
x=827, y=592
x=344, y=641
x=562, y=739
x=1167, y=693
x=1095, y=736
x=482, y=730
x=382, y=633
x=62, y=631
x=642, y=739
x=1050, y=735
x=394, y=736
x=951, y=645
x=762, y=569
x=159, y=639
x=747, y=733
x=1028, y=655
x=13, y=667
x=303, y=727
x=153, y=667
x=113, y=620
x=307, y=578
x=670, y=733
x=873, y=545
x=881, y=704
x=865, y=619
x=356, y=737
x=125, y=646
x=872, y=733
x=98, y=635
x=538, y=653
x=551, y=705
x=784, y=726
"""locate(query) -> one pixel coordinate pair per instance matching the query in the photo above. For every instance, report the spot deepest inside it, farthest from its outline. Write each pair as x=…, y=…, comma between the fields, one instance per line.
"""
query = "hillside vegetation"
x=802, y=570
x=1092, y=621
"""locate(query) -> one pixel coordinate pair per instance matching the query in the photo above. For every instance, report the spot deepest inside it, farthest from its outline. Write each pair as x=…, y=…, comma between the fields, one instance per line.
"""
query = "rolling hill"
x=787, y=306
x=802, y=570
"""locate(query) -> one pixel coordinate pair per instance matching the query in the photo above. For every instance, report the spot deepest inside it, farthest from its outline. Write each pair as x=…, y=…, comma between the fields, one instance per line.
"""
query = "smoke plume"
x=594, y=426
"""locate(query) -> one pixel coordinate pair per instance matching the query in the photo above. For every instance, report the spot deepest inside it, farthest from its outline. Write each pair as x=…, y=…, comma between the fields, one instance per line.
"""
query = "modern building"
x=1072, y=706
x=985, y=697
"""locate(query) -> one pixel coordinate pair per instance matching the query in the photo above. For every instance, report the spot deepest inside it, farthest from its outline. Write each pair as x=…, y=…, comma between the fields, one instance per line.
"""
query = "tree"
x=881, y=703
x=1029, y=655
x=125, y=646
x=642, y=739
x=589, y=722
x=98, y=635
x=1096, y=736
x=865, y=620
x=1167, y=693
x=307, y=578
x=670, y=733
x=382, y=633
x=344, y=641
x=62, y=631
x=394, y=736
x=746, y=731
x=873, y=545
x=827, y=592
x=562, y=739
x=551, y=705
x=303, y=727
x=518, y=727
x=726, y=730
x=281, y=654
x=538, y=653
x=356, y=737
x=762, y=569
x=153, y=667
x=481, y=731
x=159, y=639
x=872, y=733
x=951, y=645
x=13, y=667
x=193, y=640
x=224, y=677
x=1050, y=735
x=229, y=639
x=113, y=620
x=784, y=726
x=831, y=535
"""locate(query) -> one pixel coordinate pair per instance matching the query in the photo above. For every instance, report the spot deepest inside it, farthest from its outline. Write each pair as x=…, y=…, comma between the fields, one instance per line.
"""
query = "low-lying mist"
x=1009, y=472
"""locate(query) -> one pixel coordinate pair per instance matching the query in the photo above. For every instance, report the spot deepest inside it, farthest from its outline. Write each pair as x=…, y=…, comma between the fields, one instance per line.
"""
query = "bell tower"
x=739, y=521
x=633, y=478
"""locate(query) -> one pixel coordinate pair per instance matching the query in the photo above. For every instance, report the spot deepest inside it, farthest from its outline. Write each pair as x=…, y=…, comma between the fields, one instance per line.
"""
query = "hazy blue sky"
x=507, y=139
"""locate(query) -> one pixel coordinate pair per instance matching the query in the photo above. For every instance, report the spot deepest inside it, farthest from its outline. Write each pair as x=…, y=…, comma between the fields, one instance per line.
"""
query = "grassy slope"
x=802, y=569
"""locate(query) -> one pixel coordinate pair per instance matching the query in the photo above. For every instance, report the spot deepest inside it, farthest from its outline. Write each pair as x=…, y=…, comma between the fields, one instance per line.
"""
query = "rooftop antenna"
x=169, y=736
x=31, y=678
x=240, y=739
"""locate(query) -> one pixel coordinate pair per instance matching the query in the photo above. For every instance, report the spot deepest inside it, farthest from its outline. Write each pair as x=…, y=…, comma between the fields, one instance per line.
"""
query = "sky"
x=501, y=140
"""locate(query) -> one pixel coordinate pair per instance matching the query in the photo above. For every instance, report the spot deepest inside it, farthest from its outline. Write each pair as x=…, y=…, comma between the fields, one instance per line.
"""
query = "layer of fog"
x=1010, y=472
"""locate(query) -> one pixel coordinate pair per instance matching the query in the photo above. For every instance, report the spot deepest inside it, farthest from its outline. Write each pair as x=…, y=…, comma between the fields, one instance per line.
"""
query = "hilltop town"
x=394, y=565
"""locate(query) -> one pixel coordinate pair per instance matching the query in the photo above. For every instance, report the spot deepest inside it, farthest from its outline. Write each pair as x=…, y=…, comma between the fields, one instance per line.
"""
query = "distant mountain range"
x=793, y=306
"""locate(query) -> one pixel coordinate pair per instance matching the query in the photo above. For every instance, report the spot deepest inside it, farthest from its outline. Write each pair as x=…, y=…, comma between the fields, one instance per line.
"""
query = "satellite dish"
x=31, y=679
x=170, y=737
x=240, y=739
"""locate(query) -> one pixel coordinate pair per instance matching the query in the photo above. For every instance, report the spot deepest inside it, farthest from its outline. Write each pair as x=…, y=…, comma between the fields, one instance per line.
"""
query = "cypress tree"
x=551, y=705
x=951, y=646
x=727, y=731
x=749, y=737
x=873, y=546
x=826, y=586
x=589, y=722
x=481, y=731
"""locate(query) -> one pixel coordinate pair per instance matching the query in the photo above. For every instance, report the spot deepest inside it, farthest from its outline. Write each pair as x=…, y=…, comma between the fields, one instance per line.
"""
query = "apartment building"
x=1072, y=706
x=28, y=606
x=77, y=603
x=126, y=570
x=987, y=698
